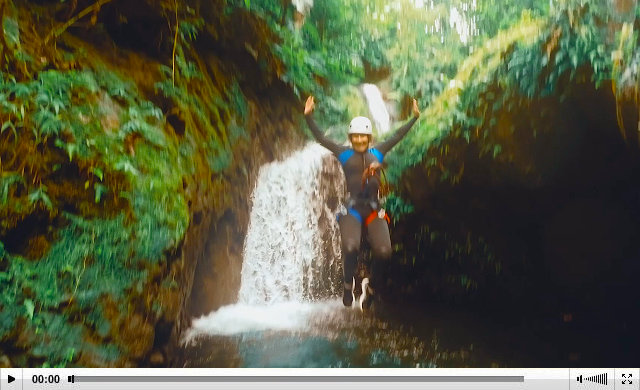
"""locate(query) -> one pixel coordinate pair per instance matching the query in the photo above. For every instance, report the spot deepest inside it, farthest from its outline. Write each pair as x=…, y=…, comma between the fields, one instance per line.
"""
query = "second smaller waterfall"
x=377, y=107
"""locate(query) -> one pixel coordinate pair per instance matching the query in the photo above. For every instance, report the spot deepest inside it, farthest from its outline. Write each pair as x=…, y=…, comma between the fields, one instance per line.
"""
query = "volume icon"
x=600, y=379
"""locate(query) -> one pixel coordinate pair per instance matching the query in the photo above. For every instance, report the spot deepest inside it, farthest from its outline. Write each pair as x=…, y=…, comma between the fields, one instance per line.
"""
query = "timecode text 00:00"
x=45, y=379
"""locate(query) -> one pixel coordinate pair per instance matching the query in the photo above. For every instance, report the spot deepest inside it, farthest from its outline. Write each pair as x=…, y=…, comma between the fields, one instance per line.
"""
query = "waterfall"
x=377, y=107
x=291, y=251
x=292, y=265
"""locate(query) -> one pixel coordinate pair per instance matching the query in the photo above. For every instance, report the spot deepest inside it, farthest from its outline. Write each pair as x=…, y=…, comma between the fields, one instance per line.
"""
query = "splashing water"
x=245, y=318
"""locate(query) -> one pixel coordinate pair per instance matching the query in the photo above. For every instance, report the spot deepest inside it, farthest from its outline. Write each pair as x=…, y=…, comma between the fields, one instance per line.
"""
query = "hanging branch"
x=57, y=32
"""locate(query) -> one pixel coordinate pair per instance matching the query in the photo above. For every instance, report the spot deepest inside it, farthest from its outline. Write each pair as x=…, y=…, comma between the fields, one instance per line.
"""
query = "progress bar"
x=315, y=379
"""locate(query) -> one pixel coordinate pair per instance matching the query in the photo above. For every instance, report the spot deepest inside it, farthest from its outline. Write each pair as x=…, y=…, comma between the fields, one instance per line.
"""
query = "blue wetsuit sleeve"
x=386, y=145
x=321, y=138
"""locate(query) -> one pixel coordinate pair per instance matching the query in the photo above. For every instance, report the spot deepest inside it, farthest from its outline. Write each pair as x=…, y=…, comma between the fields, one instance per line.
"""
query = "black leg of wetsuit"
x=350, y=233
x=380, y=242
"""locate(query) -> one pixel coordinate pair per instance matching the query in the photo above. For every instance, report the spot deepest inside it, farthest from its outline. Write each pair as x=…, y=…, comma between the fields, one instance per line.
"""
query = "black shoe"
x=347, y=297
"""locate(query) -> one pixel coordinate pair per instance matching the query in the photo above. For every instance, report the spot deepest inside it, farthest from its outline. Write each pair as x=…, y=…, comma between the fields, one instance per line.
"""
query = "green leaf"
x=29, y=308
x=496, y=150
x=97, y=172
x=71, y=149
x=11, y=31
x=6, y=125
x=100, y=191
x=40, y=195
x=126, y=166
x=5, y=183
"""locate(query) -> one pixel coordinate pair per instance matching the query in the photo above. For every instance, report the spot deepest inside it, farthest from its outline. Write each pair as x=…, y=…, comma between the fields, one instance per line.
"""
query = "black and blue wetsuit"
x=361, y=200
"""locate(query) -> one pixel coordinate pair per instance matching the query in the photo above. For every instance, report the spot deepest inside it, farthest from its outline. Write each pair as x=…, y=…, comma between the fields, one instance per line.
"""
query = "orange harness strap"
x=374, y=215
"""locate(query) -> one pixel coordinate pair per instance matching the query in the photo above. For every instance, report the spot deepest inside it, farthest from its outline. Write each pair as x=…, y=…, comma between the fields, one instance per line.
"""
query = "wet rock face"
x=217, y=275
x=558, y=209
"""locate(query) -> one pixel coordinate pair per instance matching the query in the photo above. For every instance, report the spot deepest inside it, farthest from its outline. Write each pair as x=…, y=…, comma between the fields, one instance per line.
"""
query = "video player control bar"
x=312, y=379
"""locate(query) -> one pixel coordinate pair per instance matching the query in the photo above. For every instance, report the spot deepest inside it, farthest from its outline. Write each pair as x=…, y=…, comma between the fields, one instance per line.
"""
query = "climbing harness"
x=382, y=214
x=383, y=190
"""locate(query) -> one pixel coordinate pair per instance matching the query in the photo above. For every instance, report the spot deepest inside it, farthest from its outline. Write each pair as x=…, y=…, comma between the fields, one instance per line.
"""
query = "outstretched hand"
x=309, y=105
x=416, y=111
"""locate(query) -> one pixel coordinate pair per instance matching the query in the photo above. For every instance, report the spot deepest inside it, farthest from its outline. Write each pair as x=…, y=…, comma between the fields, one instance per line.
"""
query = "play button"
x=10, y=379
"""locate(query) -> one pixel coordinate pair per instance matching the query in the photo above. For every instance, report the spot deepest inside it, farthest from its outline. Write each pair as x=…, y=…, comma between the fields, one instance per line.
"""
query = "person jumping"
x=361, y=165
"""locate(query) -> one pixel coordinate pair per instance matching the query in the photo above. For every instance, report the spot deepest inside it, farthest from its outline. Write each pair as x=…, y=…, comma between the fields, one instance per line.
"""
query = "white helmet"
x=360, y=125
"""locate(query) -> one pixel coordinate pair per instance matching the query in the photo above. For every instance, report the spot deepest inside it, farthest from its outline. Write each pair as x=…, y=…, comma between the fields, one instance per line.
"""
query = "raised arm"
x=317, y=134
x=389, y=143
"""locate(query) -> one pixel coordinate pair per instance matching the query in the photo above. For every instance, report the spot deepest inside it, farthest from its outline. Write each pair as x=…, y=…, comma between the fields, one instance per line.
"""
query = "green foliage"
x=137, y=120
x=238, y=102
x=397, y=207
x=11, y=51
x=452, y=112
x=43, y=106
x=7, y=183
x=58, y=298
x=424, y=53
x=91, y=260
x=522, y=64
x=322, y=48
x=220, y=115
x=40, y=195
x=495, y=15
x=11, y=32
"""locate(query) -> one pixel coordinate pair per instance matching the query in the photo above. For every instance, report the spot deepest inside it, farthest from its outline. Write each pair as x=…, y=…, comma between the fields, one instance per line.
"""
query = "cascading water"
x=291, y=258
x=287, y=256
